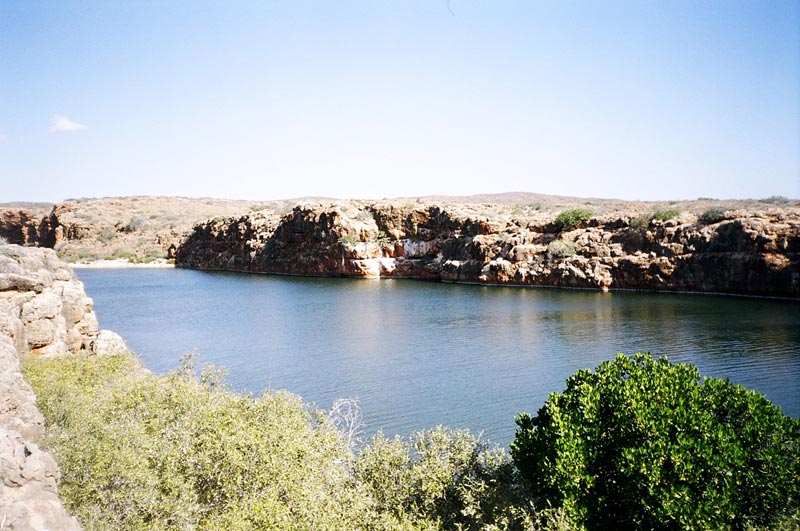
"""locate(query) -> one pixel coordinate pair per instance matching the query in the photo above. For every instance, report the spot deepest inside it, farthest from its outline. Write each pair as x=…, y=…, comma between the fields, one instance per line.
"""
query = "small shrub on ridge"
x=711, y=216
x=571, y=219
x=560, y=249
x=666, y=215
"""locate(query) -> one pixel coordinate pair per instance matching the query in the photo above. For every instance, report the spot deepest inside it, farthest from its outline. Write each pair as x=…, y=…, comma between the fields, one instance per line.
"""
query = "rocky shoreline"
x=43, y=311
x=744, y=252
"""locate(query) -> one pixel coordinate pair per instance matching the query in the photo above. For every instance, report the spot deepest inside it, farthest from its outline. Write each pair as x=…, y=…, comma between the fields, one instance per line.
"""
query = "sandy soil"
x=119, y=264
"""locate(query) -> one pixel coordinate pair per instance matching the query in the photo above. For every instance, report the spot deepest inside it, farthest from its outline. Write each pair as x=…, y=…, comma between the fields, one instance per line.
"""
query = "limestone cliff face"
x=748, y=252
x=43, y=311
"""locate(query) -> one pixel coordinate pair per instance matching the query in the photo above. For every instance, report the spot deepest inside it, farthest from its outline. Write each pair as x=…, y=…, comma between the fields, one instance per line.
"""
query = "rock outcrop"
x=137, y=229
x=43, y=311
x=755, y=252
x=19, y=227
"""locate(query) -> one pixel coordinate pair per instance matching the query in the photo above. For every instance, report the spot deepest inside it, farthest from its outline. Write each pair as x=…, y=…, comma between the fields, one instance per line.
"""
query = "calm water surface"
x=419, y=354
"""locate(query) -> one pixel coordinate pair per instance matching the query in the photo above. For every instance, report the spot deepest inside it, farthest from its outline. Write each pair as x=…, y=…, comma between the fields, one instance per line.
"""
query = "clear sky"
x=269, y=100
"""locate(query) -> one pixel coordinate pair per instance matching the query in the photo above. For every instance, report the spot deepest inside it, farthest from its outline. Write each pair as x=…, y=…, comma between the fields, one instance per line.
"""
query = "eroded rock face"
x=753, y=252
x=43, y=311
x=19, y=227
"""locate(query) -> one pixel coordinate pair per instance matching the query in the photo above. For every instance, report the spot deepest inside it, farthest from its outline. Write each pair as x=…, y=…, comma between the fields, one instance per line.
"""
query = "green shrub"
x=776, y=199
x=83, y=255
x=571, y=219
x=122, y=254
x=712, y=215
x=135, y=223
x=667, y=214
x=640, y=223
x=106, y=235
x=560, y=249
x=645, y=444
x=152, y=255
x=443, y=479
x=141, y=452
x=349, y=239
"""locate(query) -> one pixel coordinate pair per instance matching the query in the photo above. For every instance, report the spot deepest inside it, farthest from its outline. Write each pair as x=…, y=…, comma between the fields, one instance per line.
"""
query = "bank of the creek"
x=753, y=252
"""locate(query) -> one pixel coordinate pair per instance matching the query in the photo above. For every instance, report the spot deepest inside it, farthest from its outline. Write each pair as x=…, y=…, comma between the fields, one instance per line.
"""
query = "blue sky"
x=370, y=99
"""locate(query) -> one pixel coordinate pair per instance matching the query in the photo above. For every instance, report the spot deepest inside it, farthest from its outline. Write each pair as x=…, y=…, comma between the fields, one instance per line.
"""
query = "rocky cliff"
x=746, y=251
x=43, y=311
x=137, y=229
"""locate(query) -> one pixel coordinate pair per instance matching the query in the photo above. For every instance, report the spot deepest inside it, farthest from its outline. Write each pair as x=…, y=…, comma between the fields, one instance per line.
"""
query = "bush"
x=122, y=254
x=142, y=452
x=571, y=219
x=666, y=215
x=106, y=235
x=645, y=444
x=560, y=249
x=384, y=240
x=640, y=223
x=135, y=223
x=776, y=199
x=151, y=255
x=712, y=215
x=349, y=240
x=444, y=479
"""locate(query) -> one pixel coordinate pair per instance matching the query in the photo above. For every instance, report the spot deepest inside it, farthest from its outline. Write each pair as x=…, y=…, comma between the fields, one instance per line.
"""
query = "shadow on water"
x=419, y=354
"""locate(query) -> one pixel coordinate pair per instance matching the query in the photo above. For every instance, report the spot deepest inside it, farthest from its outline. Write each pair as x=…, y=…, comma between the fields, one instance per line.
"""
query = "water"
x=418, y=354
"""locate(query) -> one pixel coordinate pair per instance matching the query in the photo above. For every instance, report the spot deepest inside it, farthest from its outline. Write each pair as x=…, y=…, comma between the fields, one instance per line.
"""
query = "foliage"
x=143, y=452
x=560, y=249
x=443, y=479
x=645, y=444
x=152, y=255
x=712, y=215
x=349, y=239
x=640, y=223
x=571, y=219
x=83, y=255
x=666, y=214
x=384, y=240
x=122, y=254
x=106, y=235
x=776, y=199
x=636, y=444
x=135, y=223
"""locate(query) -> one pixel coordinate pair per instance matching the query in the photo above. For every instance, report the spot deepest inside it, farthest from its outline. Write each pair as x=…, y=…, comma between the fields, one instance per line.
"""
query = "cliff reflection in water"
x=419, y=354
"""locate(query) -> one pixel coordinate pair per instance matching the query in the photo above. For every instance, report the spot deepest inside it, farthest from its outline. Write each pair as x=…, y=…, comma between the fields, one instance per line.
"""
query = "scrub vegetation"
x=572, y=219
x=636, y=444
x=645, y=444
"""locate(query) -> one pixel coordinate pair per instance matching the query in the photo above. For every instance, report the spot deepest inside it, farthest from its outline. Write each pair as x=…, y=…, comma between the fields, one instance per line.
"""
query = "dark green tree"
x=646, y=444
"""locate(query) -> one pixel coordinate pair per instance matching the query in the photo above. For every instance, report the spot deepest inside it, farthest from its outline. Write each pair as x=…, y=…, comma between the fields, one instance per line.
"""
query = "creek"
x=417, y=354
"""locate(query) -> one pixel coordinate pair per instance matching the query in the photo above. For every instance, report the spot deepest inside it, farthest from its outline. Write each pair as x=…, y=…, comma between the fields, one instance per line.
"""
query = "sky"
x=644, y=100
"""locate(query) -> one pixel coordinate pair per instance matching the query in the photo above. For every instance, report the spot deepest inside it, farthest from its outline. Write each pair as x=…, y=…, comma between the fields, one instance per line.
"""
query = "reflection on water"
x=419, y=354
